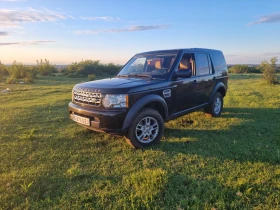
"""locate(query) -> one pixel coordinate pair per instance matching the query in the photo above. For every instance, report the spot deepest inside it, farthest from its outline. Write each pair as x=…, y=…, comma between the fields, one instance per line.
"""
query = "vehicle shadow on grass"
x=256, y=138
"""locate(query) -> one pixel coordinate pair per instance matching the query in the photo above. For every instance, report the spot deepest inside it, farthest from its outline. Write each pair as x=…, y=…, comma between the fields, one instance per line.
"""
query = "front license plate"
x=79, y=119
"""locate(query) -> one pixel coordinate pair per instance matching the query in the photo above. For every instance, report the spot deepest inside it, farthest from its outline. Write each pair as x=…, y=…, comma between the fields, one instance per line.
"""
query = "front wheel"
x=216, y=107
x=146, y=129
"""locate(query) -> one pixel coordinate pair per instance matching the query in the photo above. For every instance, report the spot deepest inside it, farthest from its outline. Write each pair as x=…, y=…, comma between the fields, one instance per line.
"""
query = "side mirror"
x=183, y=73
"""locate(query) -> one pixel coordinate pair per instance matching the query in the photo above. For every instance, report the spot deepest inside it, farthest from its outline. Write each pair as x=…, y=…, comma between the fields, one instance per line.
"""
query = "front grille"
x=87, y=97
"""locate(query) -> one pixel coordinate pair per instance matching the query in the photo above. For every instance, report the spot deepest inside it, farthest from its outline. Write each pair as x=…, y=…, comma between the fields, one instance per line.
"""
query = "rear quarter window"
x=219, y=60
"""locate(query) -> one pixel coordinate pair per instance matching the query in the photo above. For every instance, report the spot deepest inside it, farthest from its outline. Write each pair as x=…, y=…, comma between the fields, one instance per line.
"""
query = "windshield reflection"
x=152, y=65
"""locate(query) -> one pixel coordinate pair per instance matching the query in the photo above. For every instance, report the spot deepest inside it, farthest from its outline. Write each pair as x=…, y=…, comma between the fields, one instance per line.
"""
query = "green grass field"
x=49, y=162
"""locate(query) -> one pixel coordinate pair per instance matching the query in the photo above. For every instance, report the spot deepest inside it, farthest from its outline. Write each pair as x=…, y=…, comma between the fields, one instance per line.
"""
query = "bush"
x=3, y=70
x=244, y=69
x=254, y=70
x=18, y=71
x=31, y=71
x=277, y=69
x=11, y=80
x=45, y=68
x=239, y=69
x=28, y=79
x=91, y=77
x=88, y=67
x=269, y=70
x=75, y=75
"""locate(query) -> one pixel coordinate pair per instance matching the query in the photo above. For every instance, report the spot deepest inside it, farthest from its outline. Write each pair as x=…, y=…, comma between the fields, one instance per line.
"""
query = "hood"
x=112, y=82
x=119, y=85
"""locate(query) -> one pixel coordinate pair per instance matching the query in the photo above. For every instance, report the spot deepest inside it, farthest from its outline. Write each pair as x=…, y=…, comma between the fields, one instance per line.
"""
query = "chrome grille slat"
x=90, y=98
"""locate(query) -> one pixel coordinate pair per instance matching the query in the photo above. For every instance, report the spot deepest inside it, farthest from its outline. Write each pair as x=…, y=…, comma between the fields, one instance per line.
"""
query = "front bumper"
x=109, y=121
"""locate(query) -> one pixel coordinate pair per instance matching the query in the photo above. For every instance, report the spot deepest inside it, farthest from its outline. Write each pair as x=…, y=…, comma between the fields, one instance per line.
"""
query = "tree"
x=269, y=70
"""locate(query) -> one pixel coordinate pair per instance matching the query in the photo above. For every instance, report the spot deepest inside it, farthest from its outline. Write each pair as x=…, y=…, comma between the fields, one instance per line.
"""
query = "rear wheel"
x=216, y=107
x=146, y=129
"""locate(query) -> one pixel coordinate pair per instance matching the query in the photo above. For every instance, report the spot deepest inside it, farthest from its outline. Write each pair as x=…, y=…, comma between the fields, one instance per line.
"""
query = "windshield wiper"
x=140, y=75
x=135, y=75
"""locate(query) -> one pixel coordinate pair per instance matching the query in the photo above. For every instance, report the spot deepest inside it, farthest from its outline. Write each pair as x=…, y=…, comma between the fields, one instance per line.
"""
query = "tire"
x=216, y=106
x=146, y=129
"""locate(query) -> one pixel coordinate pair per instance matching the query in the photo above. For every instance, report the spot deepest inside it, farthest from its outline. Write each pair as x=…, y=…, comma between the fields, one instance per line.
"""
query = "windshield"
x=152, y=65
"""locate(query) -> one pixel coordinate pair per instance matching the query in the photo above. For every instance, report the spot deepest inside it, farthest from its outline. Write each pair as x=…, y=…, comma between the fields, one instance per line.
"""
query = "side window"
x=202, y=64
x=187, y=62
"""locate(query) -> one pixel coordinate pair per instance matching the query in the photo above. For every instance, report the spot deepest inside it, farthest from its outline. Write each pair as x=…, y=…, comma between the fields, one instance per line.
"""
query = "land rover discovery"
x=152, y=88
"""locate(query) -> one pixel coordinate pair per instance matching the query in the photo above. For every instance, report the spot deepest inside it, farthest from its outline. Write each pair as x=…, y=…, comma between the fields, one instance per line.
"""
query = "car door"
x=185, y=93
x=204, y=77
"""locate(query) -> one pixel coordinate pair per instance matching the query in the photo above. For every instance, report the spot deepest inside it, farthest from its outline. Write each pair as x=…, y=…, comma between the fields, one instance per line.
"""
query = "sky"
x=67, y=31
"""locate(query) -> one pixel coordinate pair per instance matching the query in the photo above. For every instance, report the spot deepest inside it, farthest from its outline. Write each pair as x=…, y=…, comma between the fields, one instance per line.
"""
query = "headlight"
x=115, y=101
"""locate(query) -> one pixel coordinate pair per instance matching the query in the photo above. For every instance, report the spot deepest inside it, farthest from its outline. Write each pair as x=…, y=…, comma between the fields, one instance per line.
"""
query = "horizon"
x=64, y=32
x=62, y=65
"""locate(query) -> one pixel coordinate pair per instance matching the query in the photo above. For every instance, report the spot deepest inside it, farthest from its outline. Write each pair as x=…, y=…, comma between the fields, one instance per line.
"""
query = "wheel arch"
x=220, y=87
x=150, y=101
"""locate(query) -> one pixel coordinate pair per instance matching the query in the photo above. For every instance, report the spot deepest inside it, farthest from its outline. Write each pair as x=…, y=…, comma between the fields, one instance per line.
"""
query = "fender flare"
x=217, y=87
x=140, y=104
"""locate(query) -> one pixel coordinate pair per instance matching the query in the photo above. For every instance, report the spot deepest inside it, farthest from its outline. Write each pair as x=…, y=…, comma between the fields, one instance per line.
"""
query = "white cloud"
x=3, y=33
x=14, y=18
x=273, y=18
x=125, y=29
x=26, y=43
x=105, y=18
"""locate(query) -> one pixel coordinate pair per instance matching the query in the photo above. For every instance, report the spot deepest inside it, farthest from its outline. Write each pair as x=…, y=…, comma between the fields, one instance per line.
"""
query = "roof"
x=177, y=51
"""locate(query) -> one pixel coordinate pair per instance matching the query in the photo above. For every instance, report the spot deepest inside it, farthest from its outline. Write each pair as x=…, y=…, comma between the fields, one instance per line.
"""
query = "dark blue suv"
x=152, y=88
